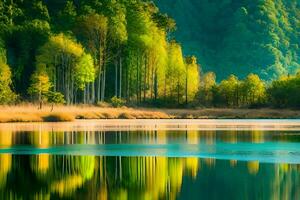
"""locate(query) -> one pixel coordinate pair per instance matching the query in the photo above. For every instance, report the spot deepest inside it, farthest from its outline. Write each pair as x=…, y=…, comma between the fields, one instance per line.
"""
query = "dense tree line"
x=250, y=92
x=80, y=51
x=89, y=51
x=239, y=36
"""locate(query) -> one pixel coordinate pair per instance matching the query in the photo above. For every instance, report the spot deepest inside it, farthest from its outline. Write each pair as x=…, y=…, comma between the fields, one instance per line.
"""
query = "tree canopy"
x=239, y=36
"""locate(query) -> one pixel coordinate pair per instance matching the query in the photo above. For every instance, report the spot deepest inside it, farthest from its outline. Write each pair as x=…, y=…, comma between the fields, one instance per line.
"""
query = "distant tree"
x=254, y=90
x=284, y=92
x=192, y=80
x=229, y=91
x=175, y=79
x=55, y=98
x=208, y=81
x=6, y=93
x=40, y=86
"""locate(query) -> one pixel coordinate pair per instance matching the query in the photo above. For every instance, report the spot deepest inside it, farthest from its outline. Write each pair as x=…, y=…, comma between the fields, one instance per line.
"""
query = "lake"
x=151, y=159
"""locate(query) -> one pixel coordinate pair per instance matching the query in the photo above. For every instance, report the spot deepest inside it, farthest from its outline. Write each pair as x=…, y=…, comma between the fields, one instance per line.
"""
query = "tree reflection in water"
x=48, y=176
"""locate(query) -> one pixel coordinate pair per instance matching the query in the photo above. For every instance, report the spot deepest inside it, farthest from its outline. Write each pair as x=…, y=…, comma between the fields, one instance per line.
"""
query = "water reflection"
x=44, y=139
x=262, y=146
x=94, y=177
x=44, y=175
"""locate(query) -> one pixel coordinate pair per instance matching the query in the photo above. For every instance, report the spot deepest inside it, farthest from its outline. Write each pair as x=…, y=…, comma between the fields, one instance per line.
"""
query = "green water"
x=149, y=164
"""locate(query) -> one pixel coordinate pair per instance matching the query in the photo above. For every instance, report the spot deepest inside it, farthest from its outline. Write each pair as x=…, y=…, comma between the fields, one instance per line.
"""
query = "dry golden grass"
x=31, y=113
x=227, y=113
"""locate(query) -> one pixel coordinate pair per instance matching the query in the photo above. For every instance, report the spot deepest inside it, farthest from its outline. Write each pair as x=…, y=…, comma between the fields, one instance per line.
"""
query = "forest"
x=125, y=51
x=239, y=36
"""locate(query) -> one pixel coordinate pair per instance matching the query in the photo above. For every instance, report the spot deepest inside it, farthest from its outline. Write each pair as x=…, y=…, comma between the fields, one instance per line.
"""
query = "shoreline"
x=158, y=125
x=30, y=113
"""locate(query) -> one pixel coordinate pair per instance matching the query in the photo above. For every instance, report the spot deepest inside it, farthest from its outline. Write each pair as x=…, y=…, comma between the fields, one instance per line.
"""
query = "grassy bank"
x=31, y=113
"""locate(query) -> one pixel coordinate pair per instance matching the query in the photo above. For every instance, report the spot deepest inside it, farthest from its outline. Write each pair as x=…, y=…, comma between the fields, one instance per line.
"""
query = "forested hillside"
x=126, y=51
x=87, y=51
x=239, y=36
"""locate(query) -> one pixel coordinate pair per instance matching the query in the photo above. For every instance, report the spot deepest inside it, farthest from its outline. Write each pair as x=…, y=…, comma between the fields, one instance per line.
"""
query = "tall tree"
x=192, y=79
x=69, y=68
x=6, y=93
x=92, y=30
x=40, y=86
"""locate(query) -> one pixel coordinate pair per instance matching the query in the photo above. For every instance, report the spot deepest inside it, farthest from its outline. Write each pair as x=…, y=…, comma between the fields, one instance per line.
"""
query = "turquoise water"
x=86, y=163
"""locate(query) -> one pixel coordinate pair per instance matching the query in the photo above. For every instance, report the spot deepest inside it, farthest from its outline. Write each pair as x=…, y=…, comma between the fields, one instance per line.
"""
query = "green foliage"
x=229, y=91
x=285, y=92
x=233, y=92
x=68, y=67
x=22, y=43
x=207, y=89
x=55, y=97
x=192, y=78
x=117, y=102
x=6, y=94
x=40, y=86
x=253, y=90
x=175, y=81
x=239, y=37
x=91, y=51
x=84, y=71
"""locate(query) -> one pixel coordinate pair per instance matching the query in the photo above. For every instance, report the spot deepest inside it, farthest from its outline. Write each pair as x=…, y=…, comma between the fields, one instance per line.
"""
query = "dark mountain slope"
x=239, y=36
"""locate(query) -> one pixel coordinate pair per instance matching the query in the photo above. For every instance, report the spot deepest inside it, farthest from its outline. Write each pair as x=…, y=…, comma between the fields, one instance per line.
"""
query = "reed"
x=31, y=113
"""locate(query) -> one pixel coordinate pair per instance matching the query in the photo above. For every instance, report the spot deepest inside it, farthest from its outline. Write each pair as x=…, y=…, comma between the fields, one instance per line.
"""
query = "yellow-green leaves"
x=84, y=71
x=192, y=78
x=6, y=94
x=40, y=86
x=67, y=65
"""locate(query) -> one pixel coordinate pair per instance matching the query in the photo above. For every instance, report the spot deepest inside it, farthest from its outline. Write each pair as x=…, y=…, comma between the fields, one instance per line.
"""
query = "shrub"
x=117, y=102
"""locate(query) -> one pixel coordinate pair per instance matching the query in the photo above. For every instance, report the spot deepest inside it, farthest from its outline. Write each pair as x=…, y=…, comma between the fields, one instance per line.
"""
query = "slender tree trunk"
x=99, y=63
x=40, y=96
x=84, y=95
x=93, y=92
x=137, y=79
x=116, y=77
x=120, y=79
x=178, y=92
x=186, y=86
x=103, y=84
x=87, y=93
x=145, y=79
x=155, y=85
x=127, y=83
x=165, y=88
x=99, y=87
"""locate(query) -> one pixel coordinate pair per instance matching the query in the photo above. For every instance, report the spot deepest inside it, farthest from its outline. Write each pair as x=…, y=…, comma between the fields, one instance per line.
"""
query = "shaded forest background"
x=239, y=36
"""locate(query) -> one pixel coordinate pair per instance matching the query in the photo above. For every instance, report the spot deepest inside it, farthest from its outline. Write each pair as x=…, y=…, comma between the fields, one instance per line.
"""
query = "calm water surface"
x=151, y=160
